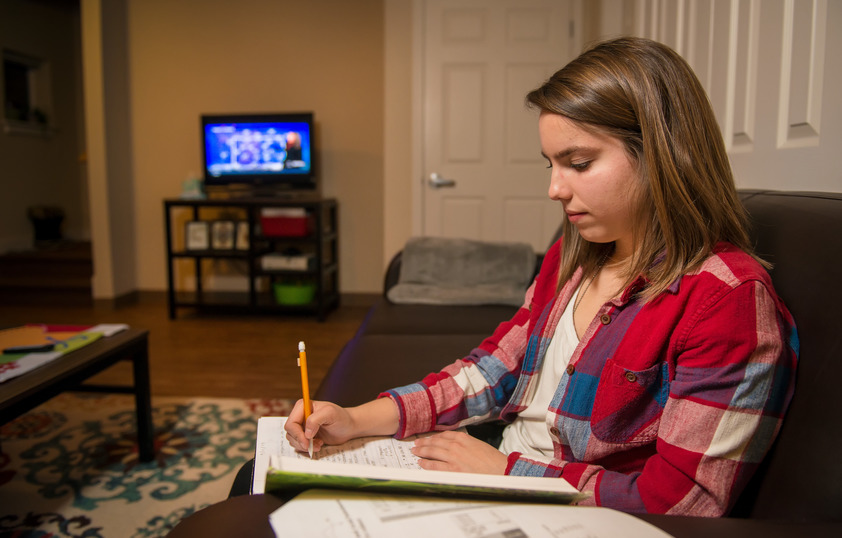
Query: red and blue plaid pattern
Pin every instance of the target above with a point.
(667, 406)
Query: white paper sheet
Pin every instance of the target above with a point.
(108, 329)
(339, 513)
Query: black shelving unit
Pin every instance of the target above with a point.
(321, 241)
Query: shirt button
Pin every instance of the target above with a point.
(605, 319)
(570, 369)
(631, 377)
(554, 431)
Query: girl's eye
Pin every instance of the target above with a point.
(580, 167)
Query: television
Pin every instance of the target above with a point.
(261, 153)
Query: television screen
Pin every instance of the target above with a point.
(259, 149)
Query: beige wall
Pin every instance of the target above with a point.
(192, 57)
(109, 177)
(397, 163)
(43, 170)
(119, 146)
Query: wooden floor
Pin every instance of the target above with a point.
(214, 356)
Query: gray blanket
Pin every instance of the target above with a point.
(442, 271)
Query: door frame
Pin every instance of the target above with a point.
(418, 99)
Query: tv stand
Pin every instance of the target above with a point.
(283, 195)
(319, 242)
(260, 192)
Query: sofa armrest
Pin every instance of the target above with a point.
(393, 273)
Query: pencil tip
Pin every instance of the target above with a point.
(301, 346)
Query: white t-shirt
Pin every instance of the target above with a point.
(529, 434)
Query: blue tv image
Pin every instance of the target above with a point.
(262, 148)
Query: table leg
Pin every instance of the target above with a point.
(143, 402)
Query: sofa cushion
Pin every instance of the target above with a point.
(371, 364)
(386, 317)
(801, 234)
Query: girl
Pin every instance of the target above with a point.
(651, 362)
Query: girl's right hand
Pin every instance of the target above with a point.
(328, 423)
(333, 425)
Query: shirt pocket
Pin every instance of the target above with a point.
(628, 403)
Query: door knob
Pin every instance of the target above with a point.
(437, 181)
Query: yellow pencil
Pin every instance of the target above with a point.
(305, 387)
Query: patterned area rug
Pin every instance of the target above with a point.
(70, 467)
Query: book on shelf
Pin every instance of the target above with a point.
(384, 464)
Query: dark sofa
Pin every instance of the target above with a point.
(799, 487)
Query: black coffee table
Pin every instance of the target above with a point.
(20, 394)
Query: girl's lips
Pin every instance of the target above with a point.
(573, 217)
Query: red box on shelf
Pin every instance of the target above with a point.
(284, 222)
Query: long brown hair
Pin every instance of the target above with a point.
(643, 93)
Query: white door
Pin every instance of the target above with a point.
(484, 175)
(774, 75)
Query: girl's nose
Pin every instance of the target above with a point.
(558, 188)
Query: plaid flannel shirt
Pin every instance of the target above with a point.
(666, 407)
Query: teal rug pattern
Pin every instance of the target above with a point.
(70, 467)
